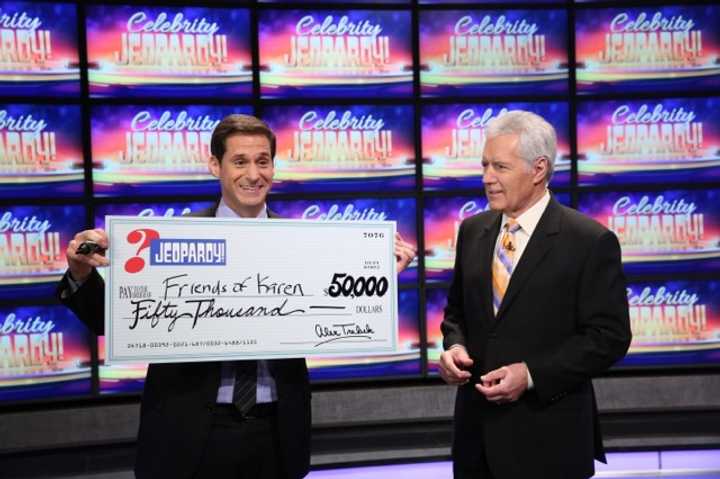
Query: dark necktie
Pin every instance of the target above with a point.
(245, 390)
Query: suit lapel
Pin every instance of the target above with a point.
(541, 242)
(486, 245)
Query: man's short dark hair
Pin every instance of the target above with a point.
(237, 124)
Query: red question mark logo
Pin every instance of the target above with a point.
(144, 237)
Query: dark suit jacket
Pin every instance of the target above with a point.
(565, 314)
(178, 400)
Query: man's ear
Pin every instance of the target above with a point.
(214, 166)
(540, 169)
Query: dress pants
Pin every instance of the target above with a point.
(471, 463)
(242, 447)
(468, 450)
(470, 460)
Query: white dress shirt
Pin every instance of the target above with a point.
(528, 221)
(266, 389)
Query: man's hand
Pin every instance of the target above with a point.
(505, 384)
(453, 363)
(404, 253)
(81, 265)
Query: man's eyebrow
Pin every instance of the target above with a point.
(242, 154)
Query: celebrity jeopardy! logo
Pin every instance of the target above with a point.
(173, 252)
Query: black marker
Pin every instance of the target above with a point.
(89, 247)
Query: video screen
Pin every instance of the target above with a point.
(674, 323)
(168, 52)
(44, 354)
(443, 215)
(119, 378)
(39, 49)
(148, 209)
(648, 141)
(404, 362)
(335, 53)
(435, 302)
(335, 2)
(154, 150)
(41, 151)
(400, 210)
(506, 2)
(493, 52)
(663, 48)
(453, 138)
(343, 148)
(32, 248)
(661, 232)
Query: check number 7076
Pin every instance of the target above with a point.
(373, 234)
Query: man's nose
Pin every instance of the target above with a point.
(488, 176)
(253, 172)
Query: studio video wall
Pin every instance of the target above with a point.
(107, 108)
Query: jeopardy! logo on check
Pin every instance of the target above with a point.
(173, 251)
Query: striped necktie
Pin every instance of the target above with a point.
(245, 387)
(502, 266)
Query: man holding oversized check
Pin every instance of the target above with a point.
(198, 294)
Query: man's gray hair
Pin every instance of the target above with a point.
(537, 136)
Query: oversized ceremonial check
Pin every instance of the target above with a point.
(208, 289)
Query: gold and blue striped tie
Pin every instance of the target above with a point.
(502, 266)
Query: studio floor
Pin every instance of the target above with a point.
(697, 464)
(703, 464)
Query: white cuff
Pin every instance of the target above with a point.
(529, 378)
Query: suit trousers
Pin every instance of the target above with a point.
(468, 452)
(241, 447)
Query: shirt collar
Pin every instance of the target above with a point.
(529, 220)
(224, 211)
